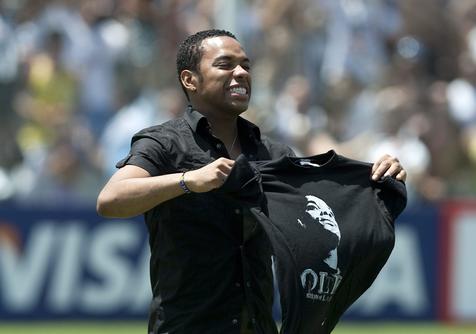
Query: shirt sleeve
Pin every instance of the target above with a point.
(147, 152)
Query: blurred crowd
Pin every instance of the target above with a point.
(362, 77)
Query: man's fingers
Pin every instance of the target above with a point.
(380, 168)
(388, 166)
(219, 171)
(378, 163)
(402, 175)
(224, 165)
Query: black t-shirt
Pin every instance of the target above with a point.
(207, 260)
(331, 229)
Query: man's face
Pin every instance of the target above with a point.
(322, 213)
(224, 86)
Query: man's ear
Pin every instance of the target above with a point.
(189, 80)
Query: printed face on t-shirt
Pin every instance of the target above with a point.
(322, 213)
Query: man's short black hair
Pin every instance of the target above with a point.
(190, 53)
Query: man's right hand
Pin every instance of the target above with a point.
(209, 177)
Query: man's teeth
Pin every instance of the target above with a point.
(238, 90)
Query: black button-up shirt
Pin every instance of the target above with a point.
(208, 261)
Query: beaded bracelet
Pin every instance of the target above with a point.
(183, 185)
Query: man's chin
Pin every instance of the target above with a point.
(239, 107)
(332, 230)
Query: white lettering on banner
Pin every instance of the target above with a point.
(69, 262)
(22, 275)
(108, 265)
(140, 294)
(69, 267)
(401, 281)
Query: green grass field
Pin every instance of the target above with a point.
(140, 328)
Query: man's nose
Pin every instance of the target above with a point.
(240, 72)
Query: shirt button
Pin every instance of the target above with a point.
(219, 146)
(248, 284)
(238, 284)
(237, 211)
(253, 321)
(234, 321)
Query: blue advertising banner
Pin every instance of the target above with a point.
(72, 264)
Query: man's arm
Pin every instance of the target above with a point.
(132, 190)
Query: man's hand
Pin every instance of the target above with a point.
(209, 177)
(388, 166)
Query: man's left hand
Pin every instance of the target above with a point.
(388, 166)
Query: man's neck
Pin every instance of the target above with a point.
(224, 129)
(223, 125)
(227, 131)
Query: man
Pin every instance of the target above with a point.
(210, 264)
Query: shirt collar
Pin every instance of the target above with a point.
(198, 123)
(196, 120)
